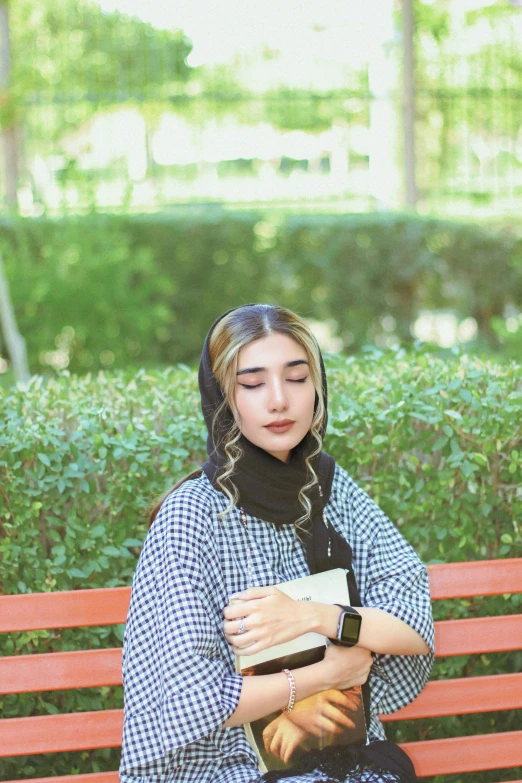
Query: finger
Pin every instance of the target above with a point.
(339, 718)
(344, 700)
(337, 697)
(252, 593)
(235, 627)
(353, 701)
(268, 733)
(235, 611)
(327, 725)
(240, 644)
(243, 647)
(275, 743)
(286, 749)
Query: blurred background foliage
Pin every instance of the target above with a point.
(104, 291)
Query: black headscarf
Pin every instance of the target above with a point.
(268, 488)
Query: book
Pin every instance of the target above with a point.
(332, 717)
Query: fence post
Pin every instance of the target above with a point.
(408, 103)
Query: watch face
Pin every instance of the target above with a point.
(350, 630)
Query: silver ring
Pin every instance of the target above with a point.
(242, 628)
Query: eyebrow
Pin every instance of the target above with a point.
(295, 363)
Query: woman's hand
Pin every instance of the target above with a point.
(325, 715)
(269, 617)
(344, 667)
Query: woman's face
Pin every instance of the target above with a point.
(274, 387)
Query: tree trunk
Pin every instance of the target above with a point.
(13, 339)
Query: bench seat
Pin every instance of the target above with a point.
(95, 668)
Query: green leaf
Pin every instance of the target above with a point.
(377, 440)
(111, 551)
(119, 631)
(77, 572)
(132, 542)
(467, 468)
(454, 384)
(506, 538)
(439, 444)
(45, 459)
(453, 414)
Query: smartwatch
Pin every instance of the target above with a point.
(349, 626)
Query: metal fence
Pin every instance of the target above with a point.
(104, 110)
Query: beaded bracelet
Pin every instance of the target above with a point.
(291, 699)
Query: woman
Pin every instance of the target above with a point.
(267, 507)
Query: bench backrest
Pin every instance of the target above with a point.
(95, 668)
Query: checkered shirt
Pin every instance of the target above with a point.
(179, 675)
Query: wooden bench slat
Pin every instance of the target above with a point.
(476, 578)
(60, 733)
(60, 671)
(465, 754)
(463, 697)
(109, 605)
(89, 777)
(478, 635)
(68, 609)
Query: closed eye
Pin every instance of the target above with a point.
(257, 385)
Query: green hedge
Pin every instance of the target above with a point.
(107, 291)
(436, 443)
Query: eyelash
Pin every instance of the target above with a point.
(290, 380)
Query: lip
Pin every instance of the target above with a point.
(280, 426)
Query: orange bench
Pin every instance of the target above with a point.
(94, 668)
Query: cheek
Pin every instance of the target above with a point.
(309, 404)
(245, 410)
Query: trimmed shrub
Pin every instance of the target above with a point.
(436, 443)
(113, 291)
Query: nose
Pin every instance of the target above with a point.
(277, 400)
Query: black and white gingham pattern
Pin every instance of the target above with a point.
(178, 669)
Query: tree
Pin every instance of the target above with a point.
(81, 58)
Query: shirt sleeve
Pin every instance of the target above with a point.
(394, 579)
(178, 672)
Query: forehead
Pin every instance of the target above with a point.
(272, 351)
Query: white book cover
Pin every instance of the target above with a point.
(329, 718)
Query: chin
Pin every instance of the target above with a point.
(280, 444)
